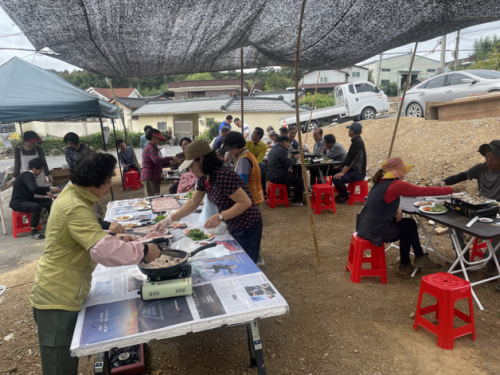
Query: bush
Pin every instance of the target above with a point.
(321, 101)
(211, 132)
(390, 89)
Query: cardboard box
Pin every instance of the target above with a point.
(60, 176)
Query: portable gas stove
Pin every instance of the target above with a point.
(158, 287)
(127, 361)
(471, 210)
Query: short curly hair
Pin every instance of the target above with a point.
(93, 168)
(119, 141)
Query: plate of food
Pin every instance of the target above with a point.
(437, 209)
(325, 160)
(188, 196)
(142, 203)
(423, 203)
(179, 225)
(485, 220)
(130, 226)
(124, 217)
(142, 208)
(307, 161)
(198, 235)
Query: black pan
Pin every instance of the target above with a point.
(173, 270)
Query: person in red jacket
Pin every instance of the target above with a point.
(381, 219)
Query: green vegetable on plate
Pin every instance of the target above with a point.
(159, 218)
(197, 235)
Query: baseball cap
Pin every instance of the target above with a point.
(156, 133)
(195, 150)
(493, 146)
(356, 127)
(31, 137)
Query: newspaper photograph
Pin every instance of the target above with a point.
(111, 287)
(213, 269)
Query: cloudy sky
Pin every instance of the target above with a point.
(12, 37)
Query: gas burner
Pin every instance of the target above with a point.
(129, 360)
(183, 273)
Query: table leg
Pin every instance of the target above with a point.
(255, 347)
(321, 175)
(2, 215)
(429, 239)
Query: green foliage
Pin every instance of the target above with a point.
(370, 76)
(275, 81)
(199, 77)
(492, 60)
(321, 101)
(211, 132)
(390, 89)
(482, 47)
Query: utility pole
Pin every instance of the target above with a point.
(456, 49)
(379, 69)
(443, 52)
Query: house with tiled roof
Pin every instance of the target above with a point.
(189, 117)
(210, 88)
(329, 79)
(106, 94)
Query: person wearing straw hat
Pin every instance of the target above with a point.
(227, 191)
(381, 219)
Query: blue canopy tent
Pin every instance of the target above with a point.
(30, 93)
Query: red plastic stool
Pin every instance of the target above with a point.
(363, 191)
(281, 198)
(18, 225)
(322, 198)
(475, 247)
(132, 180)
(447, 289)
(356, 260)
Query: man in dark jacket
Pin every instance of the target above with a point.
(23, 195)
(354, 167)
(278, 163)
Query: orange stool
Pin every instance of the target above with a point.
(18, 225)
(475, 247)
(447, 289)
(363, 191)
(356, 260)
(281, 198)
(132, 180)
(322, 198)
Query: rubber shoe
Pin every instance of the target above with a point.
(343, 199)
(425, 262)
(405, 270)
(299, 204)
(38, 236)
(260, 262)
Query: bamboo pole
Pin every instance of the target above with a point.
(118, 155)
(242, 87)
(127, 136)
(304, 174)
(312, 107)
(105, 150)
(408, 79)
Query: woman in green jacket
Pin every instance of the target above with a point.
(74, 244)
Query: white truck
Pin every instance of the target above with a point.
(355, 101)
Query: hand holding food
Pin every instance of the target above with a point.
(153, 253)
(54, 189)
(161, 225)
(213, 221)
(114, 227)
(459, 188)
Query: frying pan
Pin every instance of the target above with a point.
(173, 270)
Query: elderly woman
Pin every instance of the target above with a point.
(75, 243)
(273, 136)
(28, 151)
(75, 149)
(292, 133)
(126, 154)
(173, 189)
(381, 219)
(228, 192)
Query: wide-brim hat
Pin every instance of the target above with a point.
(195, 150)
(158, 135)
(395, 168)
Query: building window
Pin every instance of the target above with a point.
(135, 117)
(162, 126)
(323, 79)
(386, 69)
(384, 82)
(355, 74)
(431, 70)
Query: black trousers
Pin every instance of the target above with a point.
(34, 205)
(296, 182)
(250, 239)
(173, 188)
(407, 237)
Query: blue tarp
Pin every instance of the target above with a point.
(30, 93)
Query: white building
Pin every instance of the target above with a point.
(329, 79)
(107, 95)
(395, 69)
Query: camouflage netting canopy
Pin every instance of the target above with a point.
(128, 38)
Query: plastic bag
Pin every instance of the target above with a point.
(209, 209)
(184, 244)
(221, 229)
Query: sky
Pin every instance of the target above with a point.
(12, 37)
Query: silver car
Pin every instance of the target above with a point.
(447, 87)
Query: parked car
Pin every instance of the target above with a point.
(7, 127)
(448, 87)
(361, 100)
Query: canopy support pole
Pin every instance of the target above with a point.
(127, 136)
(312, 107)
(408, 79)
(105, 150)
(118, 155)
(304, 173)
(242, 93)
(22, 134)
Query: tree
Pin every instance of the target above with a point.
(199, 77)
(321, 101)
(492, 60)
(276, 81)
(390, 88)
(482, 47)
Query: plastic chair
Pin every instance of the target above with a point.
(322, 198)
(475, 250)
(132, 180)
(447, 289)
(357, 197)
(18, 226)
(281, 198)
(356, 260)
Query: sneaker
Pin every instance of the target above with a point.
(37, 236)
(425, 262)
(405, 270)
(300, 204)
(260, 262)
(343, 199)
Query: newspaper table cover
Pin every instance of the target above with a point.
(228, 288)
